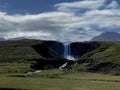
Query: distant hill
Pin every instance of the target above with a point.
(18, 38)
(2, 39)
(107, 36)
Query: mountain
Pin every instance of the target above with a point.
(18, 38)
(107, 36)
(2, 39)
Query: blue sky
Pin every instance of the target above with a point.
(29, 6)
(32, 6)
(62, 20)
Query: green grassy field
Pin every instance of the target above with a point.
(59, 80)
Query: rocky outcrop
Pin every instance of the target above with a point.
(51, 56)
(56, 47)
(80, 48)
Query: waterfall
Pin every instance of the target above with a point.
(67, 51)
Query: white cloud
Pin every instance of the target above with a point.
(113, 12)
(61, 24)
(103, 18)
(41, 26)
(80, 5)
(113, 5)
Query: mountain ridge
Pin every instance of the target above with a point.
(107, 36)
(2, 39)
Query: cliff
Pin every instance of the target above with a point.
(80, 48)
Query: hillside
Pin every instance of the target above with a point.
(29, 51)
(105, 58)
(26, 54)
(107, 36)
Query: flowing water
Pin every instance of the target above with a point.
(63, 66)
(67, 51)
(67, 54)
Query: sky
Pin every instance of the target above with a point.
(61, 20)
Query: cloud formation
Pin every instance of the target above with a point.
(80, 5)
(76, 21)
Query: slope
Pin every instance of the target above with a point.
(105, 58)
(25, 51)
(107, 36)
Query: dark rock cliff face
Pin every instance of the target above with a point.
(42, 64)
(80, 48)
(56, 46)
(51, 51)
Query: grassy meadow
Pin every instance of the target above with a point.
(59, 80)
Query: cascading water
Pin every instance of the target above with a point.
(63, 66)
(67, 51)
(67, 54)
